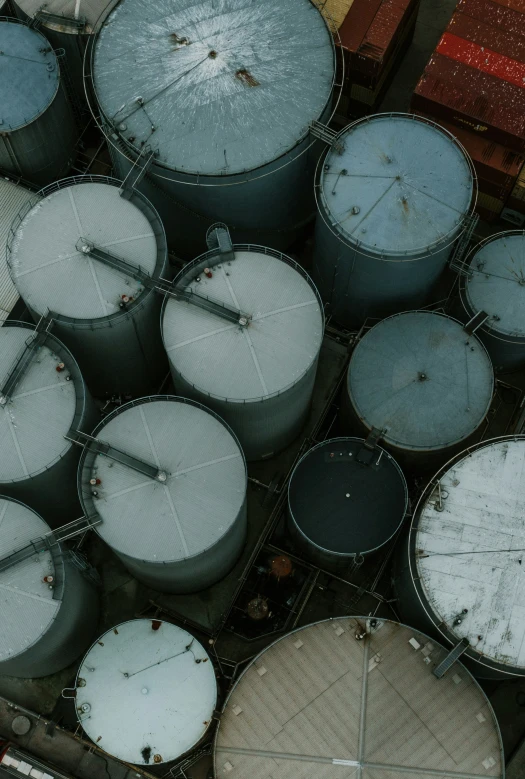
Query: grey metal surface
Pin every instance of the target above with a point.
(259, 378)
(390, 207)
(196, 516)
(12, 198)
(44, 628)
(89, 15)
(421, 379)
(119, 348)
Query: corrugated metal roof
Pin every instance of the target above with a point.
(12, 198)
(92, 12)
(227, 88)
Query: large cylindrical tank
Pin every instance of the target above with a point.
(259, 375)
(420, 382)
(345, 500)
(49, 609)
(146, 692)
(494, 282)
(460, 572)
(108, 318)
(392, 194)
(196, 512)
(223, 95)
(353, 697)
(37, 128)
(37, 463)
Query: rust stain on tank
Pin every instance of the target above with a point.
(178, 41)
(246, 77)
(406, 207)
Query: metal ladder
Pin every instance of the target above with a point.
(324, 133)
(446, 664)
(101, 447)
(24, 359)
(458, 262)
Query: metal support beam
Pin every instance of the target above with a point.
(24, 359)
(477, 320)
(137, 173)
(324, 133)
(101, 447)
(451, 658)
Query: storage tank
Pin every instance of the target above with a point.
(461, 570)
(37, 129)
(392, 195)
(223, 97)
(92, 253)
(420, 383)
(356, 697)
(43, 399)
(186, 473)
(253, 357)
(146, 692)
(346, 499)
(494, 283)
(49, 610)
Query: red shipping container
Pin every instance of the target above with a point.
(490, 40)
(496, 14)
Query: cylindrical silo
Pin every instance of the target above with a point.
(392, 195)
(187, 474)
(91, 253)
(460, 572)
(43, 400)
(49, 609)
(420, 383)
(146, 692)
(253, 357)
(37, 128)
(346, 499)
(356, 697)
(223, 96)
(494, 283)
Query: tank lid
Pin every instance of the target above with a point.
(400, 186)
(146, 692)
(227, 88)
(41, 409)
(197, 503)
(497, 285)
(88, 15)
(346, 498)
(422, 379)
(49, 268)
(28, 604)
(470, 574)
(29, 75)
(275, 350)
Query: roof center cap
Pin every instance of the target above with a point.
(422, 377)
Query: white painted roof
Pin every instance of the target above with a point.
(12, 198)
(148, 692)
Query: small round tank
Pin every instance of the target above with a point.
(257, 372)
(422, 382)
(345, 499)
(146, 692)
(50, 401)
(459, 576)
(494, 282)
(49, 610)
(195, 503)
(37, 128)
(392, 194)
(224, 96)
(106, 316)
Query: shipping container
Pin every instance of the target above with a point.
(501, 14)
(514, 211)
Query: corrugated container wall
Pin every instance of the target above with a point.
(48, 609)
(38, 131)
(392, 194)
(12, 199)
(104, 312)
(223, 97)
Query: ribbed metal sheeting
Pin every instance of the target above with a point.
(45, 625)
(345, 500)
(118, 346)
(37, 464)
(392, 195)
(230, 92)
(12, 198)
(460, 573)
(196, 518)
(38, 129)
(259, 378)
(494, 282)
(421, 381)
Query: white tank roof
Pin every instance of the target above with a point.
(200, 500)
(52, 274)
(148, 694)
(27, 604)
(12, 198)
(467, 559)
(319, 704)
(92, 12)
(277, 348)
